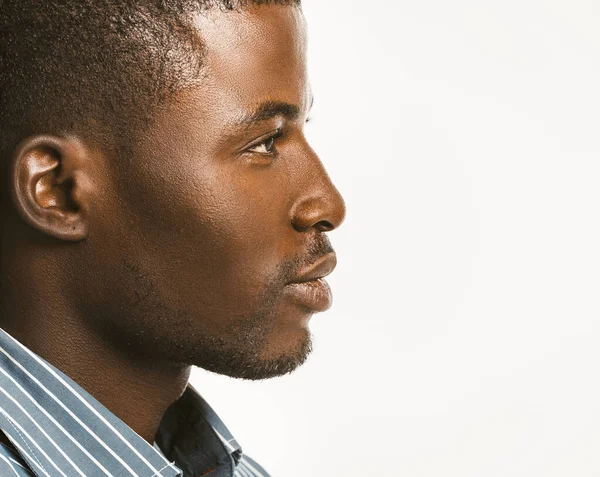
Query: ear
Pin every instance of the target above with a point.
(46, 186)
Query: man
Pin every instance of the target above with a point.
(162, 209)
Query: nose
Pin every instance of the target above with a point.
(321, 206)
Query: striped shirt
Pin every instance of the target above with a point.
(60, 430)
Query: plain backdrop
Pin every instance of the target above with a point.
(464, 338)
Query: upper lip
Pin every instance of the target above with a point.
(319, 269)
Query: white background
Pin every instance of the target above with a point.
(465, 335)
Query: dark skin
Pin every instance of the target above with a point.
(125, 275)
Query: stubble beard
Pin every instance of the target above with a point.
(154, 331)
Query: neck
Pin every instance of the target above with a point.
(137, 391)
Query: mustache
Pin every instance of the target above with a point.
(318, 247)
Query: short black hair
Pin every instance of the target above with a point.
(76, 66)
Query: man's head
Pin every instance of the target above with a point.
(159, 180)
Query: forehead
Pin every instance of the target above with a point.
(254, 55)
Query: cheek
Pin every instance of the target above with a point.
(214, 238)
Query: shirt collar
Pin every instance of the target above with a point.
(61, 430)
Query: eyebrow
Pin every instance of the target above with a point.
(272, 109)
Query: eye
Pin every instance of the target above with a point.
(265, 147)
(266, 144)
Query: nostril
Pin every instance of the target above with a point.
(317, 212)
(324, 226)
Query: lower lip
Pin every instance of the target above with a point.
(314, 295)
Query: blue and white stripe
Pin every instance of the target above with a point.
(59, 430)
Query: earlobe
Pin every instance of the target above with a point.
(44, 182)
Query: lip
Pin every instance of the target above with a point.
(310, 289)
(320, 269)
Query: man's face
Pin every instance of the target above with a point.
(223, 205)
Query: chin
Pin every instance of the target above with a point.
(275, 358)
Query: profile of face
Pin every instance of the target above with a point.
(195, 245)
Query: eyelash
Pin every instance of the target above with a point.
(272, 137)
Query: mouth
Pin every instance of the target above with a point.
(310, 289)
(314, 295)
